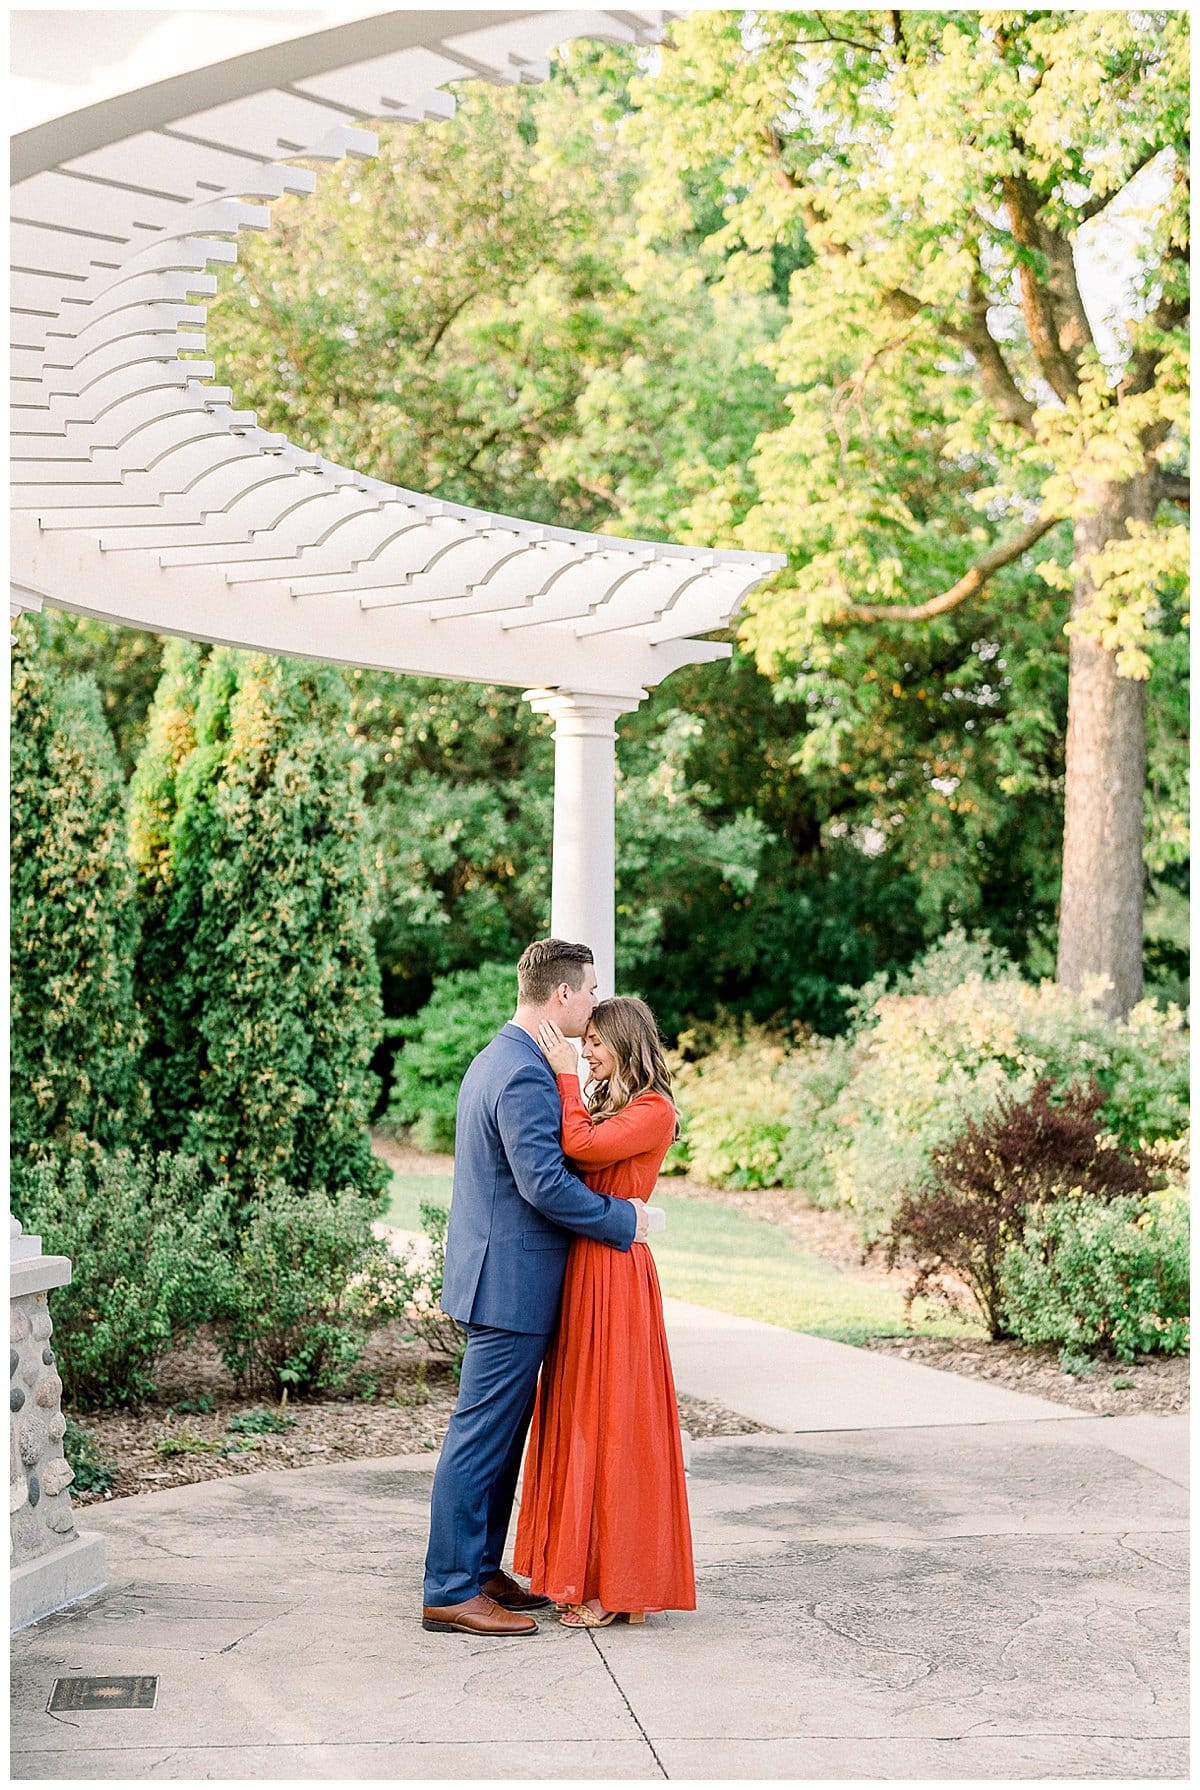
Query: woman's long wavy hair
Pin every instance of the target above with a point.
(627, 1026)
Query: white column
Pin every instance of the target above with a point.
(583, 901)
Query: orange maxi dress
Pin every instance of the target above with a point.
(603, 1503)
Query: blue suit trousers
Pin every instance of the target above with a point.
(476, 1478)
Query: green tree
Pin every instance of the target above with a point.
(126, 664)
(252, 857)
(174, 1046)
(75, 1038)
(962, 387)
(456, 316)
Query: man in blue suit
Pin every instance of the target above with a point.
(514, 1208)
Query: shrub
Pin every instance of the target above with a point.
(868, 1113)
(144, 1235)
(1098, 1277)
(75, 1031)
(93, 1471)
(250, 846)
(964, 1214)
(465, 1011)
(418, 1289)
(303, 1290)
(733, 1106)
(955, 958)
(259, 1423)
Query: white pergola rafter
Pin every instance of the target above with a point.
(142, 495)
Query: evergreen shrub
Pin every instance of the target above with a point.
(144, 1234)
(75, 1035)
(465, 1011)
(959, 1220)
(1102, 1277)
(307, 1282)
(249, 836)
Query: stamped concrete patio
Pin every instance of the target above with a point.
(916, 1576)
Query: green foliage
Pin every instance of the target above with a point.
(186, 1443)
(174, 1055)
(260, 1423)
(733, 1104)
(125, 663)
(457, 316)
(1103, 1278)
(247, 830)
(93, 1471)
(144, 1235)
(956, 1223)
(299, 1303)
(868, 1113)
(75, 1034)
(465, 1012)
(952, 366)
(419, 1288)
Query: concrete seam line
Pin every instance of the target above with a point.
(629, 1706)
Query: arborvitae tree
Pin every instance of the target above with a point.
(75, 1034)
(254, 863)
(172, 1052)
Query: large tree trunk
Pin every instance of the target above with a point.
(1100, 918)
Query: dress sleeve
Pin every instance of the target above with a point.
(638, 1127)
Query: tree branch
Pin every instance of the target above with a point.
(997, 378)
(805, 43)
(1056, 349)
(1174, 487)
(1092, 207)
(968, 585)
(1170, 313)
(452, 314)
(975, 336)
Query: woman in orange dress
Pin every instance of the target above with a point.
(604, 1526)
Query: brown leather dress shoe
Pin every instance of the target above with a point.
(510, 1594)
(480, 1615)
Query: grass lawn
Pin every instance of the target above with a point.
(716, 1256)
(406, 1194)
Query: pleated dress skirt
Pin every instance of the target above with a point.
(604, 1501)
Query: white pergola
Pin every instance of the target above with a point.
(142, 494)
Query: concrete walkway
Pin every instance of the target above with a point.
(798, 1383)
(971, 1596)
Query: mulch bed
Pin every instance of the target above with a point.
(405, 1397)
(1154, 1384)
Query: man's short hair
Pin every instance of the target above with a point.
(545, 964)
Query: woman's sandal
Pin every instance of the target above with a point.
(585, 1618)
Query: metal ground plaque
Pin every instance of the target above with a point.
(102, 1693)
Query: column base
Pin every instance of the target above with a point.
(56, 1580)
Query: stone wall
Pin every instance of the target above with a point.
(39, 1504)
(52, 1566)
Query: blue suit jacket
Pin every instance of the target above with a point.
(515, 1203)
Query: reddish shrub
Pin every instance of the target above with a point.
(959, 1220)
